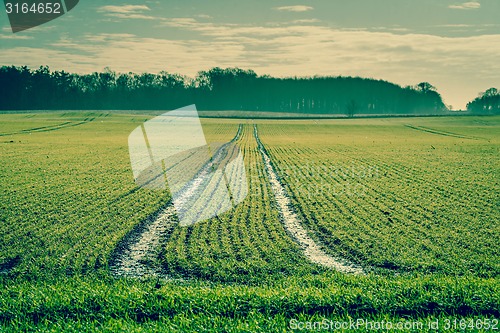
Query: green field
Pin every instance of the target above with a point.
(414, 201)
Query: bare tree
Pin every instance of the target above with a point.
(352, 107)
(425, 87)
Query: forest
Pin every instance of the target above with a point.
(216, 89)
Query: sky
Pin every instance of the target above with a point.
(454, 45)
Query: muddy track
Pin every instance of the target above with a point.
(291, 221)
(137, 254)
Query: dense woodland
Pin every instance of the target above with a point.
(216, 89)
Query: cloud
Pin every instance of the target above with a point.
(466, 5)
(127, 12)
(306, 21)
(294, 8)
(182, 22)
(107, 37)
(126, 52)
(454, 26)
(17, 37)
(393, 29)
(125, 9)
(285, 50)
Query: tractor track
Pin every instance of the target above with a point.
(312, 250)
(137, 254)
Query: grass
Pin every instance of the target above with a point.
(99, 301)
(67, 198)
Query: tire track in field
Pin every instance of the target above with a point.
(312, 250)
(137, 254)
(444, 133)
(51, 127)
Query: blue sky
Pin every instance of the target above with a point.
(454, 45)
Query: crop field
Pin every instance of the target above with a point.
(413, 202)
(397, 197)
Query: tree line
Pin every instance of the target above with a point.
(487, 102)
(215, 89)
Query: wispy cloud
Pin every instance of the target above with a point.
(125, 9)
(127, 12)
(18, 37)
(391, 29)
(466, 5)
(306, 21)
(454, 25)
(294, 8)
